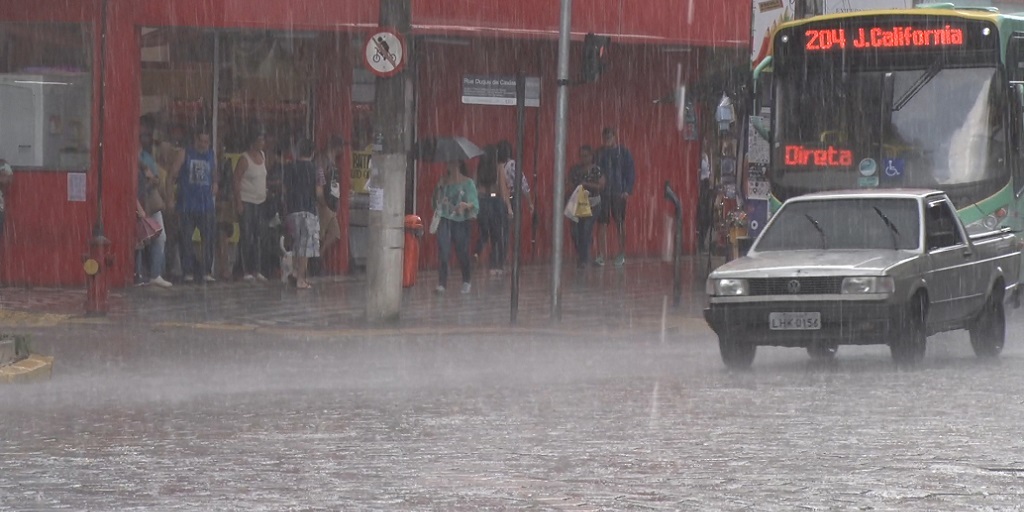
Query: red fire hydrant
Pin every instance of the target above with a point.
(95, 265)
(411, 253)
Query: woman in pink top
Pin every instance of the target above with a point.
(250, 199)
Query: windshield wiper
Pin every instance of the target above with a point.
(895, 233)
(921, 81)
(824, 242)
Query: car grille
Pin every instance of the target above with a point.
(806, 286)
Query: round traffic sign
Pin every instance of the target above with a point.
(384, 53)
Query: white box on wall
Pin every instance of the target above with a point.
(45, 120)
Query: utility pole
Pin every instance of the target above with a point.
(392, 124)
(561, 120)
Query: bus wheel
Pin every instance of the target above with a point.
(988, 333)
(736, 355)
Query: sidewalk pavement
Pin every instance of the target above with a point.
(595, 299)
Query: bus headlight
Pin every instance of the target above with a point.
(869, 284)
(727, 287)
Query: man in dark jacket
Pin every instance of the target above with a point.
(617, 163)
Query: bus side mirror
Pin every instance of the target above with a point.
(763, 91)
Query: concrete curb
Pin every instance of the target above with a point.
(11, 318)
(673, 327)
(33, 368)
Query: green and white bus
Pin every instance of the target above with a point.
(930, 97)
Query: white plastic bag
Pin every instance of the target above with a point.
(570, 205)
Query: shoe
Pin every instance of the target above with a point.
(209, 279)
(261, 278)
(620, 260)
(161, 282)
(248, 277)
(439, 289)
(189, 279)
(599, 261)
(141, 283)
(466, 287)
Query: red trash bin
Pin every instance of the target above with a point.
(411, 254)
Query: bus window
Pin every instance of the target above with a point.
(1017, 136)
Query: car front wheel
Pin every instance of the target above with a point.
(910, 347)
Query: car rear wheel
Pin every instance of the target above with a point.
(989, 330)
(910, 347)
(736, 355)
(822, 351)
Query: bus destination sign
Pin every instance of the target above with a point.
(865, 38)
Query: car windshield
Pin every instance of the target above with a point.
(932, 127)
(854, 223)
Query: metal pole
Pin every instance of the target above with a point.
(536, 152)
(561, 117)
(216, 97)
(517, 196)
(97, 231)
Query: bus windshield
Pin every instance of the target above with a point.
(926, 127)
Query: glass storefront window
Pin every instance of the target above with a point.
(45, 95)
(263, 81)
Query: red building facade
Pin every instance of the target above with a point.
(655, 42)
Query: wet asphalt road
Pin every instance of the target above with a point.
(183, 419)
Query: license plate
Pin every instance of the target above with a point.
(794, 321)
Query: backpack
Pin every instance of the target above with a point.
(332, 188)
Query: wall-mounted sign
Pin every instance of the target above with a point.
(384, 53)
(498, 90)
(881, 37)
(821, 157)
(361, 169)
(76, 186)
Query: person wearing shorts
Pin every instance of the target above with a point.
(617, 163)
(303, 192)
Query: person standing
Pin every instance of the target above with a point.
(704, 196)
(495, 209)
(330, 229)
(273, 210)
(508, 166)
(455, 201)
(6, 178)
(303, 191)
(588, 175)
(196, 193)
(620, 174)
(169, 156)
(227, 219)
(149, 179)
(250, 179)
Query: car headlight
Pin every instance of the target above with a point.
(727, 287)
(869, 284)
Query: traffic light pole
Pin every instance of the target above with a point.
(561, 118)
